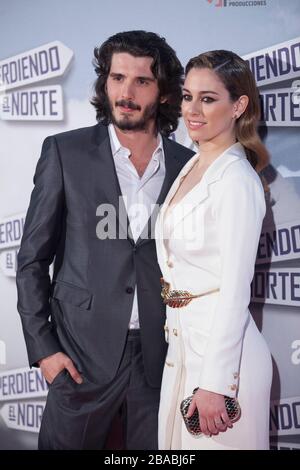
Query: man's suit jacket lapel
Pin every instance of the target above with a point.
(103, 169)
(103, 173)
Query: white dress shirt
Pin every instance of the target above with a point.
(139, 193)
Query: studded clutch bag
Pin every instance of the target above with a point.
(192, 424)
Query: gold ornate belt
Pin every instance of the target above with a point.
(179, 298)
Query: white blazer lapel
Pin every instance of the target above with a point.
(200, 191)
(177, 181)
(196, 196)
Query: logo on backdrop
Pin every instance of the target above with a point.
(43, 103)
(285, 417)
(281, 62)
(277, 286)
(24, 416)
(20, 388)
(240, 3)
(280, 243)
(277, 445)
(22, 383)
(11, 231)
(34, 104)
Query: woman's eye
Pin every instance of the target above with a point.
(207, 99)
(186, 97)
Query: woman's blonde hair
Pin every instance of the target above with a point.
(237, 78)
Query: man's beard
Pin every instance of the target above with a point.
(126, 123)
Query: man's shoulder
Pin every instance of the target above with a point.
(177, 149)
(81, 134)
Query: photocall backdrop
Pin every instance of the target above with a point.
(46, 78)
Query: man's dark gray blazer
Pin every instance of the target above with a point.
(85, 310)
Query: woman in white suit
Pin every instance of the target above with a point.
(207, 237)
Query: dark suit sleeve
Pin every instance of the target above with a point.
(38, 247)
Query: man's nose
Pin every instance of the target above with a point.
(128, 91)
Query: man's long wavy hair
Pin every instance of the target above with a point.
(165, 67)
(238, 80)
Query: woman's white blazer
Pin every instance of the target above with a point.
(209, 241)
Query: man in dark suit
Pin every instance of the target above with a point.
(96, 328)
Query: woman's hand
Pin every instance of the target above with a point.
(213, 416)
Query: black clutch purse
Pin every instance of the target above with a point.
(192, 424)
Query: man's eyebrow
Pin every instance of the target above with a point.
(118, 74)
(149, 79)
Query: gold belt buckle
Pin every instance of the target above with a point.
(175, 298)
(178, 298)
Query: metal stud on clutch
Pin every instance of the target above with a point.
(192, 424)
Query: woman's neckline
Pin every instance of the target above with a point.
(171, 206)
